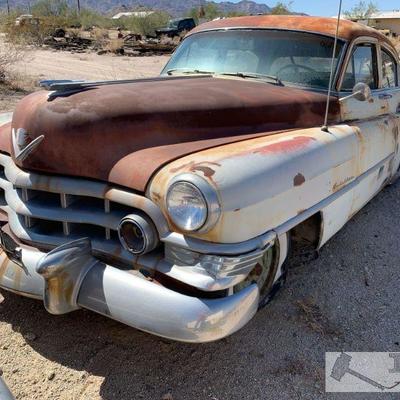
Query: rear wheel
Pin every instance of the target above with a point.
(270, 273)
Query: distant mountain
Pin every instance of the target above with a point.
(173, 7)
(244, 6)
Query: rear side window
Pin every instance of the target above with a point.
(362, 67)
(389, 70)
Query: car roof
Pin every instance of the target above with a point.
(348, 30)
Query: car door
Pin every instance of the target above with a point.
(373, 121)
(390, 90)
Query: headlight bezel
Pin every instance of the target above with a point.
(209, 195)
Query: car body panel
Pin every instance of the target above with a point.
(138, 127)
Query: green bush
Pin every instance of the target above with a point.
(89, 18)
(144, 25)
(51, 8)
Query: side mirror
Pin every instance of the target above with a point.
(361, 92)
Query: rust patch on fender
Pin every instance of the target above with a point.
(299, 179)
(204, 167)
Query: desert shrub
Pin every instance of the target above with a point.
(144, 25)
(114, 45)
(89, 18)
(50, 8)
(50, 15)
(9, 55)
(30, 33)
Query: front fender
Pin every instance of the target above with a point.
(264, 182)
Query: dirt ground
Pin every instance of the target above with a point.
(47, 64)
(345, 300)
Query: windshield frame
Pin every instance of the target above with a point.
(342, 54)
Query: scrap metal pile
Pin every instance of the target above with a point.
(132, 45)
(135, 45)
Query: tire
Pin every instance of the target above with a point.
(270, 274)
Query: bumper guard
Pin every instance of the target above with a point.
(69, 278)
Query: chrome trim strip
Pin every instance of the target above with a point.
(201, 246)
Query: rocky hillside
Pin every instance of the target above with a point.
(174, 7)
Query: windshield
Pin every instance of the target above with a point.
(173, 24)
(297, 58)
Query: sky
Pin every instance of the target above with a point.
(329, 7)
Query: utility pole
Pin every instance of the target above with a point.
(79, 6)
(8, 7)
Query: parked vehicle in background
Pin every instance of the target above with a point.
(176, 27)
(27, 20)
(171, 204)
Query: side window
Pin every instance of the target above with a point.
(362, 67)
(389, 70)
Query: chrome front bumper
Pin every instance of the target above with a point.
(69, 278)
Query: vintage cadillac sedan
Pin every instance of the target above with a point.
(170, 204)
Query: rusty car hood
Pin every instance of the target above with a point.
(124, 133)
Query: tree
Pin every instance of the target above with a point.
(209, 11)
(50, 8)
(362, 10)
(282, 8)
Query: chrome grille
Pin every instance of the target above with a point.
(54, 210)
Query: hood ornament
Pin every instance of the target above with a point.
(22, 144)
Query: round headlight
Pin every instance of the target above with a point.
(187, 206)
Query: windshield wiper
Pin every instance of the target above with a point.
(254, 75)
(243, 75)
(189, 71)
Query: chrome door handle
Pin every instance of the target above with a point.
(385, 96)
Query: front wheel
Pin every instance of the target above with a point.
(270, 273)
